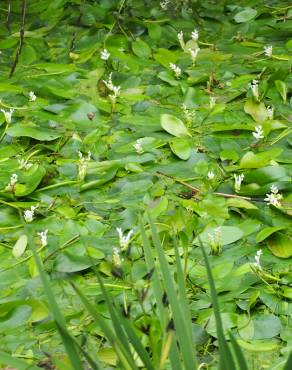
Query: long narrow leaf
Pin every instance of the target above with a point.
(185, 342)
(288, 365)
(240, 359)
(115, 341)
(7, 359)
(158, 293)
(226, 358)
(59, 319)
(137, 344)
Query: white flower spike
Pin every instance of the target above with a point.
(212, 102)
(181, 41)
(175, 69)
(104, 54)
(274, 197)
(138, 147)
(115, 89)
(7, 115)
(24, 164)
(258, 133)
(13, 181)
(194, 54)
(254, 86)
(211, 175)
(195, 35)
(43, 237)
(29, 214)
(164, 4)
(270, 112)
(238, 180)
(32, 96)
(257, 259)
(116, 258)
(124, 240)
(268, 50)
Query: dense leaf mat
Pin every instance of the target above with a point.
(159, 120)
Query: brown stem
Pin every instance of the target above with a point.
(197, 190)
(21, 38)
(8, 17)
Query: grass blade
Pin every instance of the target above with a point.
(58, 317)
(288, 365)
(182, 332)
(7, 359)
(240, 359)
(122, 352)
(158, 293)
(226, 358)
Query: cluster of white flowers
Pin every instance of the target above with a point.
(29, 214)
(211, 175)
(43, 237)
(116, 90)
(7, 115)
(104, 54)
(116, 258)
(257, 258)
(194, 53)
(124, 240)
(237, 182)
(254, 86)
(175, 69)
(258, 133)
(138, 147)
(195, 35)
(274, 197)
(180, 37)
(164, 4)
(82, 164)
(270, 112)
(268, 50)
(215, 240)
(212, 102)
(188, 114)
(24, 164)
(32, 96)
(11, 185)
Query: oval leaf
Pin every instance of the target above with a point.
(181, 148)
(173, 125)
(280, 245)
(266, 232)
(20, 246)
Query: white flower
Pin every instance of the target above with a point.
(124, 240)
(117, 261)
(32, 96)
(254, 86)
(257, 259)
(270, 112)
(175, 69)
(138, 147)
(195, 35)
(215, 240)
(274, 197)
(238, 180)
(180, 37)
(13, 180)
(29, 214)
(7, 115)
(258, 133)
(189, 115)
(115, 89)
(211, 175)
(164, 4)
(268, 50)
(194, 53)
(43, 237)
(212, 101)
(24, 164)
(104, 54)
(82, 164)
